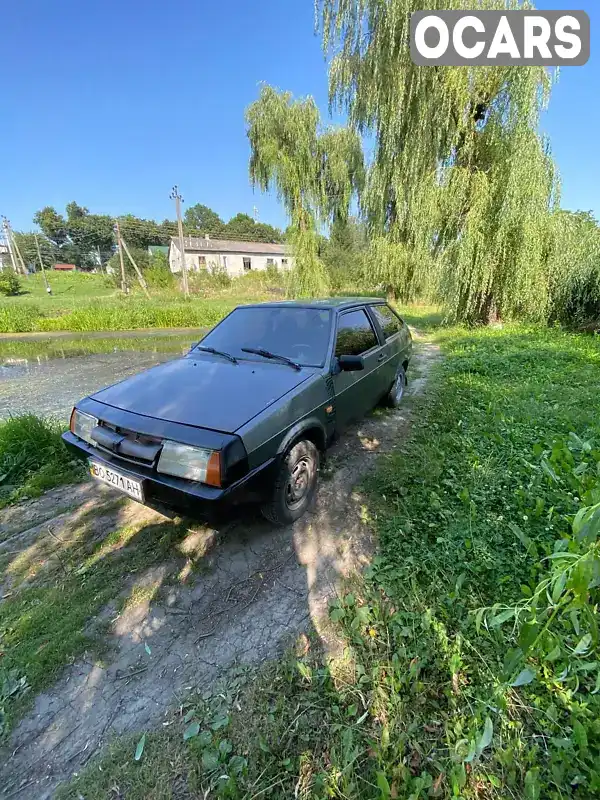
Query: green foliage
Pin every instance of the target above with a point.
(243, 227)
(158, 273)
(315, 172)
(32, 458)
(202, 219)
(27, 247)
(141, 258)
(116, 315)
(10, 284)
(468, 202)
(344, 255)
(574, 268)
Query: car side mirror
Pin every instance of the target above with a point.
(351, 363)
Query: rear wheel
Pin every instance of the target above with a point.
(295, 484)
(396, 393)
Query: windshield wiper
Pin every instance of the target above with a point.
(267, 354)
(216, 352)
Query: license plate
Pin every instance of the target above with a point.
(113, 477)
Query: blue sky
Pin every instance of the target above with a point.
(110, 103)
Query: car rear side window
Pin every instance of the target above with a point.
(355, 334)
(390, 324)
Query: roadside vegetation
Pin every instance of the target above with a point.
(73, 346)
(472, 666)
(33, 458)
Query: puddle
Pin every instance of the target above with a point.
(47, 385)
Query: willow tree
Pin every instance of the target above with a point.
(574, 267)
(458, 193)
(314, 171)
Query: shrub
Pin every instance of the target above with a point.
(272, 273)
(10, 284)
(159, 277)
(33, 457)
(219, 275)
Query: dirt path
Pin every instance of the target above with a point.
(257, 589)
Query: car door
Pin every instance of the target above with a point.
(397, 341)
(356, 392)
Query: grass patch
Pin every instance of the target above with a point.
(118, 314)
(83, 302)
(43, 622)
(472, 662)
(47, 348)
(33, 458)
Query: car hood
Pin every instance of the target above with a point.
(206, 391)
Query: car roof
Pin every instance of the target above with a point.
(334, 303)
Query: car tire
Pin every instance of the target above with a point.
(396, 393)
(295, 484)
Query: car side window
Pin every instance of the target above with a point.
(390, 324)
(355, 334)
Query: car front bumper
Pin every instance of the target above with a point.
(178, 495)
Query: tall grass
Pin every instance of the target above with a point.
(116, 315)
(33, 458)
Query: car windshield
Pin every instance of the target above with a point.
(300, 334)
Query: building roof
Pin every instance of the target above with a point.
(65, 266)
(200, 244)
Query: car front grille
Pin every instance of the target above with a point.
(128, 445)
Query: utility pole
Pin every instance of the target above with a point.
(16, 257)
(8, 244)
(178, 200)
(37, 246)
(99, 258)
(24, 269)
(120, 246)
(141, 279)
(255, 209)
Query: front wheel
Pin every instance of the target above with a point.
(295, 484)
(398, 388)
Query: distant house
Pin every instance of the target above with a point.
(4, 256)
(65, 267)
(236, 258)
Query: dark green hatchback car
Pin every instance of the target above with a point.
(246, 414)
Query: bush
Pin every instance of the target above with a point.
(33, 457)
(272, 273)
(220, 276)
(158, 277)
(10, 284)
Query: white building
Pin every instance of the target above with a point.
(235, 258)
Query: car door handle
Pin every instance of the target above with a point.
(381, 358)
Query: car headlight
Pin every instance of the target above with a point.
(193, 463)
(82, 425)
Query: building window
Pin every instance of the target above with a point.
(284, 262)
(247, 264)
(201, 262)
(224, 258)
(270, 262)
